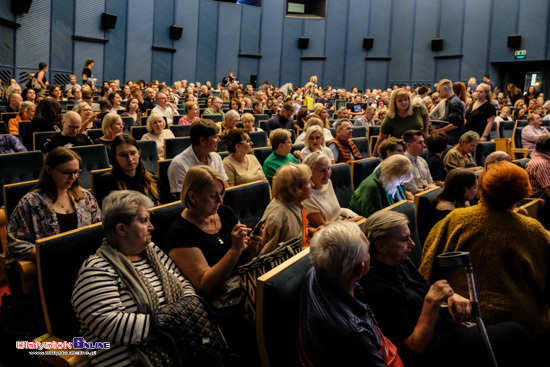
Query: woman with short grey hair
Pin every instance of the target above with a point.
(461, 154)
(132, 277)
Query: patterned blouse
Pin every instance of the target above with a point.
(35, 218)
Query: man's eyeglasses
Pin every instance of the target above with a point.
(69, 174)
(246, 141)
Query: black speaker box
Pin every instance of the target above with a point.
(253, 80)
(437, 44)
(368, 42)
(303, 42)
(108, 21)
(514, 41)
(20, 6)
(175, 32)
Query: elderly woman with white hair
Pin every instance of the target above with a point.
(335, 326)
(383, 187)
(408, 307)
(230, 121)
(315, 141)
(157, 132)
(323, 207)
(132, 278)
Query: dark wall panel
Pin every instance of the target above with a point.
(425, 29)
(139, 40)
(206, 51)
(248, 67)
(335, 48)
(451, 30)
(401, 41)
(290, 62)
(164, 18)
(447, 69)
(34, 36)
(228, 42)
(250, 29)
(115, 49)
(7, 48)
(271, 42)
(358, 26)
(376, 72)
(315, 30)
(504, 23)
(88, 18)
(476, 38)
(162, 63)
(62, 46)
(533, 17)
(185, 60)
(380, 18)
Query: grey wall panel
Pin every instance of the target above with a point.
(401, 41)
(62, 44)
(290, 62)
(162, 66)
(7, 47)
(115, 49)
(5, 10)
(476, 37)
(88, 18)
(250, 29)
(376, 72)
(185, 60)
(315, 30)
(533, 16)
(380, 19)
(335, 48)
(206, 51)
(85, 50)
(139, 40)
(358, 27)
(271, 42)
(163, 19)
(504, 23)
(34, 36)
(451, 30)
(248, 67)
(309, 68)
(447, 69)
(425, 29)
(229, 16)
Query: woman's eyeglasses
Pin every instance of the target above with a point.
(69, 174)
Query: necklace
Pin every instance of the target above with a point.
(212, 234)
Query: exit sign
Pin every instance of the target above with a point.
(520, 54)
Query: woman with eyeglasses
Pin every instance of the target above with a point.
(128, 171)
(56, 204)
(240, 166)
(315, 140)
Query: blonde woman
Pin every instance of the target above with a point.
(111, 126)
(315, 141)
(157, 132)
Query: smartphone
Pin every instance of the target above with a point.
(256, 230)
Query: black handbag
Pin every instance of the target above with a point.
(196, 338)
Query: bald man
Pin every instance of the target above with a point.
(70, 136)
(14, 102)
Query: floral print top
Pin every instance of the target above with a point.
(35, 218)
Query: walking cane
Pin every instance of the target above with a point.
(458, 258)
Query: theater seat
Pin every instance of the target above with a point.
(19, 167)
(138, 131)
(39, 139)
(359, 132)
(362, 168)
(94, 179)
(425, 204)
(174, 146)
(180, 131)
(215, 118)
(277, 311)
(162, 217)
(262, 153)
(342, 183)
(94, 157)
(149, 154)
(94, 134)
(518, 151)
(248, 201)
(164, 184)
(259, 139)
(483, 149)
(522, 162)
(363, 145)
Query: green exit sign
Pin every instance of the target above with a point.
(520, 54)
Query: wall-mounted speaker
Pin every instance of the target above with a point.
(303, 43)
(108, 20)
(20, 6)
(437, 44)
(175, 32)
(368, 42)
(514, 41)
(253, 80)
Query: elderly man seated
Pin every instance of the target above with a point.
(532, 132)
(335, 328)
(70, 136)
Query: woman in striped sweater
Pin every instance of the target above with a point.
(124, 283)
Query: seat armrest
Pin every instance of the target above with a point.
(64, 359)
(524, 151)
(27, 275)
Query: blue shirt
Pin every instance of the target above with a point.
(336, 329)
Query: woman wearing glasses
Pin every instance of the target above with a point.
(56, 204)
(240, 166)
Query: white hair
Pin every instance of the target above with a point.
(336, 249)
